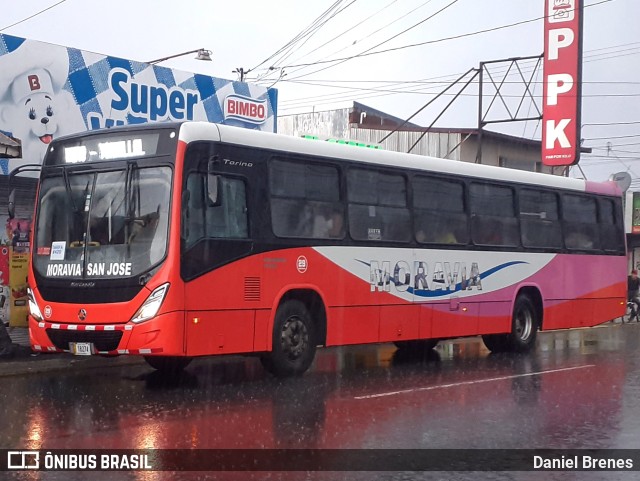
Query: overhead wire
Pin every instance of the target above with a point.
(446, 78)
(359, 41)
(299, 35)
(348, 30)
(429, 42)
(32, 16)
(293, 48)
(337, 62)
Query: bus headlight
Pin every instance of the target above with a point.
(34, 310)
(152, 305)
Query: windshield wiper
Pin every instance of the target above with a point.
(131, 195)
(67, 186)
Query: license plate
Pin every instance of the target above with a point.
(81, 348)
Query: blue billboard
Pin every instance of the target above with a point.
(47, 91)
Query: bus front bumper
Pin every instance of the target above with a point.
(162, 335)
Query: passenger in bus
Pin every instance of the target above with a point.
(633, 290)
(336, 227)
(578, 240)
(444, 236)
(328, 223)
(303, 220)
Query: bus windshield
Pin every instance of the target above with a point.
(102, 224)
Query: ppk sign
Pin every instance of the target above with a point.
(562, 91)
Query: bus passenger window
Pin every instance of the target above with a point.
(304, 200)
(539, 219)
(493, 220)
(440, 216)
(378, 206)
(580, 222)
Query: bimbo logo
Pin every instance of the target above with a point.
(245, 109)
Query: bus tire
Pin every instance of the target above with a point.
(168, 364)
(417, 344)
(496, 342)
(524, 325)
(294, 341)
(524, 329)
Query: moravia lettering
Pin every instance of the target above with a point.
(441, 277)
(93, 269)
(64, 270)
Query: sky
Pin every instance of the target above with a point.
(392, 55)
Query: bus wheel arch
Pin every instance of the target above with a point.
(533, 293)
(526, 320)
(299, 325)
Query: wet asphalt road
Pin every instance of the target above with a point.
(579, 389)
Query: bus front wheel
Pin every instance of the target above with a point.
(294, 341)
(524, 329)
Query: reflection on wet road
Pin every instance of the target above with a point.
(580, 389)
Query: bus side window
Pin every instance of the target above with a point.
(304, 198)
(539, 219)
(493, 220)
(611, 228)
(440, 216)
(580, 222)
(378, 206)
(228, 218)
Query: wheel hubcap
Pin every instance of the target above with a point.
(294, 338)
(523, 324)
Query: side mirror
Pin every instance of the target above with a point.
(12, 204)
(15, 172)
(214, 190)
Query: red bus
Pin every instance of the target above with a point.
(174, 241)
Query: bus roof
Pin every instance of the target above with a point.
(192, 131)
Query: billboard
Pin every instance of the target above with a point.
(47, 91)
(562, 82)
(635, 216)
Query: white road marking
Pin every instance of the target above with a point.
(468, 383)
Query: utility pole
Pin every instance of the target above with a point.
(241, 72)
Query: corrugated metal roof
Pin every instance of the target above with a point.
(10, 147)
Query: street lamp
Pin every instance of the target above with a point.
(203, 54)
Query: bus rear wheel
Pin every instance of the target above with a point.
(524, 329)
(168, 364)
(294, 341)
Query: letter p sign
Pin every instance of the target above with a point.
(562, 88)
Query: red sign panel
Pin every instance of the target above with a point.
(562, 82)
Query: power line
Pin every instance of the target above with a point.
(292, 50)
(354, 27)
(433, 80)
(612, 137)
(428, 42)
(604, 124)
(31, 16)
(300, 34)
(364, 53)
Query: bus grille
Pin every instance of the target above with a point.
(102, 340)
